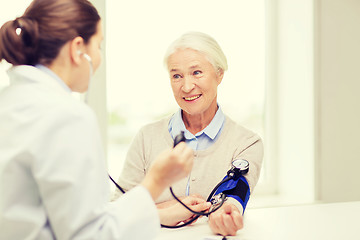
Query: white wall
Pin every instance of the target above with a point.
(314, 72)
(97, 92)
(338, 100)
(291, 108)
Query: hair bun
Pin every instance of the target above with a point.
(29, 31)
(19, 41)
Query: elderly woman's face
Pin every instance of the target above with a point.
(194, 81)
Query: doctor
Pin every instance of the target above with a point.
(53, 177)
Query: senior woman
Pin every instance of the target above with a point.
(196, 66)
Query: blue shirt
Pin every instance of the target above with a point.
(202, 139)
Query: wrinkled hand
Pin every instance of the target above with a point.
(175, 213)
(226, 221)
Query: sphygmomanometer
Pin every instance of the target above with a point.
(233, 185)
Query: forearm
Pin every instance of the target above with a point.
(155, 189)
(166, 204)
(171, 219)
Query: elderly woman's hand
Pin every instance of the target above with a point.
(226, 221)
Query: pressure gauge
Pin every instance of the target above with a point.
(239, 167)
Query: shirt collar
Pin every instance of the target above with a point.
(27, 73)
(215, 125)
(177, 125)
(53, 75)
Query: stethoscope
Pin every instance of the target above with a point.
(239, 167)
(88, 59)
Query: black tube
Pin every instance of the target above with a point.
(117, 185)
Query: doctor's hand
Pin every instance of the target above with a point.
(173, 213)
(170, 166)
(226, 221)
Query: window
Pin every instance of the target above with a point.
(138, 89)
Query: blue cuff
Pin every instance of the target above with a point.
(238, 189)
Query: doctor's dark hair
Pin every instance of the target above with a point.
(46, 26)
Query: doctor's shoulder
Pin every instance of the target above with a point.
(64, 110)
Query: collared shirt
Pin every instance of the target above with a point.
(202, 139)
(54, 76)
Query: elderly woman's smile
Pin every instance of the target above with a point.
(192, 98)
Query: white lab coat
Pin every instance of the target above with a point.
(53, 178)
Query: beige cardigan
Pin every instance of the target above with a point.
(210, 165)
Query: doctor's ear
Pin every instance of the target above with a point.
(76, 46)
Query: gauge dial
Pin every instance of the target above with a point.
(240, 164)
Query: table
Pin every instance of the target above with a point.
(331, 221)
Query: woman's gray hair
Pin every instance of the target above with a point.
(202, 43)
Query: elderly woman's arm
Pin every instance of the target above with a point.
(228, 219)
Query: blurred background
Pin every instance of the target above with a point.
(293, 78)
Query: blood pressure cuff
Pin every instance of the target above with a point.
(238, 189)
